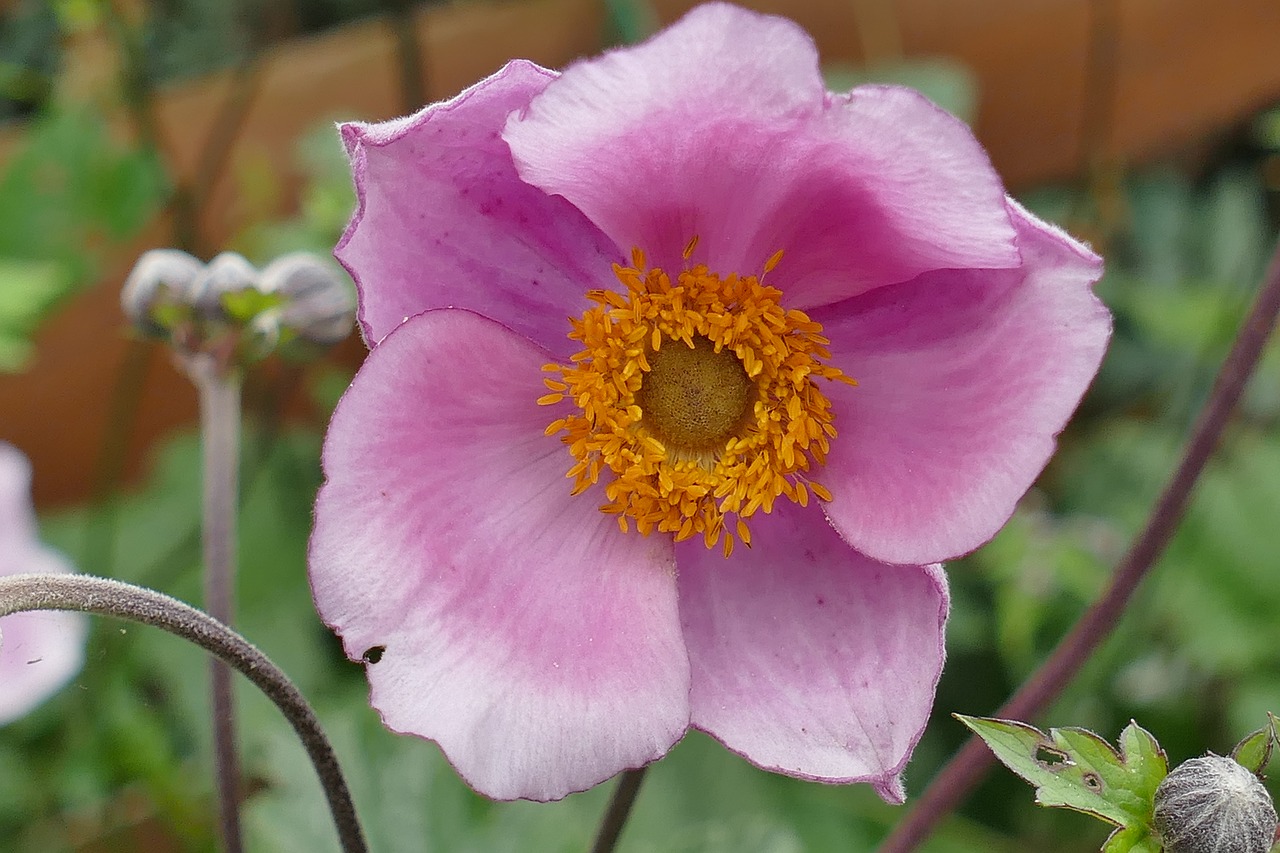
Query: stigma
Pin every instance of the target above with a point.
(698, 396)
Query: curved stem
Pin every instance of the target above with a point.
(949, 788)
(104, 597)
(624, 797)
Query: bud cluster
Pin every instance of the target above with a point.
(233, 311)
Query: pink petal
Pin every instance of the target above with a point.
(965, 379)
(808, 658)
(444, 221)
(538, 645)
(720, 127)
(39, 651)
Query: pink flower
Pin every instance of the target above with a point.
(621, 318)
(39, 652)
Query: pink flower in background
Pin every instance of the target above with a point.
(39, 652)
(684, 376)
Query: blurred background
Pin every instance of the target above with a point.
(1148, 127)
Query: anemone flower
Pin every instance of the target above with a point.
(39, 652)
(684, 376)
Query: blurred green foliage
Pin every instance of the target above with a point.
(68, 196)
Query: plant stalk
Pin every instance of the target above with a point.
(219, 390)
(615, 818)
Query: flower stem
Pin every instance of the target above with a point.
(624, 797)
(219, 390)
(104, 597)
(949, 788)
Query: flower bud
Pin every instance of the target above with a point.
(158, 288)
(317, 304)
(1213, 805)
(226, 274)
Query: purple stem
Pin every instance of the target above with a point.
(615, 818)
(219, 389)
(966, 768)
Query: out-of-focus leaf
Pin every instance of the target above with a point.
(326, 204)
(631, 21)
(28, 290)
(71, 191)
(1074, 768)
(948, 83)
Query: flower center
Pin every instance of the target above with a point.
(698, 394)
(694, 397)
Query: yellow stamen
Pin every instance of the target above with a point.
(698, 395)
(773, 261)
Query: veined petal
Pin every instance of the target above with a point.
(809, 658)
(885, 186)
(965, 378)
(444, 220)
(511, 623)
(720, 127)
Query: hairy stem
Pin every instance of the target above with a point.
(615, 818)
(966, 768)
(105, 597)
(219, 390)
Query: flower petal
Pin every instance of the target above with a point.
(720, 127)
(965, 379)
(808, 658)
(444, 221)
(511, 623)
(39, 651)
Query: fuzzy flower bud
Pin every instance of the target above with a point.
(1213, 805)
(159, 287)
(316, 305)
(228, 273)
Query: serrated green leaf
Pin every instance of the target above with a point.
(1254, 752)
(1073, 768)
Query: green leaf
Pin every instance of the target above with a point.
(948, 83)
(1254, 752)
(1133, 839)
(631, 21)
(28, 290)
(1073, 768)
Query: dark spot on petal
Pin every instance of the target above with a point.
(373, 654)
(821, 601)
